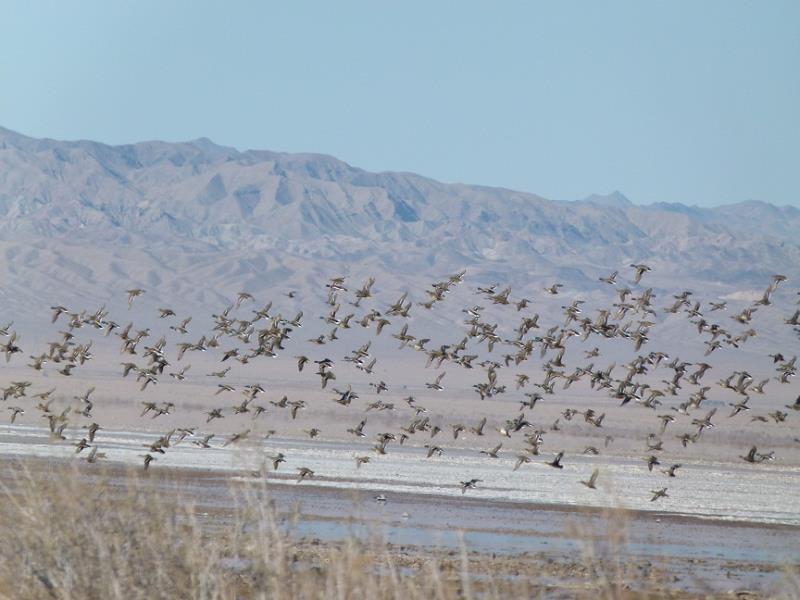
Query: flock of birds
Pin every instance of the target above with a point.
(235, 338)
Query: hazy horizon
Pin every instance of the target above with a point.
(596, 195)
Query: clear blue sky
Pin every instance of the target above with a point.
(695, 102)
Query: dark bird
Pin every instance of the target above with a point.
(662, 493)
(670, 472)
(556, 462)
(303, 472)
(469, 485)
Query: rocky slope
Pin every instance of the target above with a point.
(197, 222)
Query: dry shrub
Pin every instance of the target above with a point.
(114, 534)
(94, 531)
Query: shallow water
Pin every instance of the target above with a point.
(763, 493)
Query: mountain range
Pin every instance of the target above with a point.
(196, 222)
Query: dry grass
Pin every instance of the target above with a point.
(72, 533)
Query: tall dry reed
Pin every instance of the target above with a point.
(71, 532)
